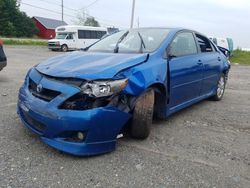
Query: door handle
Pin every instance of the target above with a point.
(219, 59)
(199, 62)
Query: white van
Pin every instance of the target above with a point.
(72, 37)
(222, 42)
(226, 43)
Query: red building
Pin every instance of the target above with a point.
(47, 26)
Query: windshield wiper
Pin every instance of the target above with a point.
(116, 50)
(142, 43)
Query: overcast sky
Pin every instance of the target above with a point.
(221, 18)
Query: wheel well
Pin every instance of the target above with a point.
(160, 100)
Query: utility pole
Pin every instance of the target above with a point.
(132, 15)
(62, 10)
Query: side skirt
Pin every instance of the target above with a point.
(188, 103)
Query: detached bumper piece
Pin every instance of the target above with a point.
(78, 132)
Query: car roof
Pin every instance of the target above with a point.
(173, 29)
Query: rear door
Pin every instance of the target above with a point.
(211, 60)
(185, 69)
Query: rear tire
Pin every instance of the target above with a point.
(220, 89)
(64, 48)
(143, 115)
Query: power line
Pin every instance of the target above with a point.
(53, 11)
(75, 10)
(89, 5)
(46, 9)
(57, 4)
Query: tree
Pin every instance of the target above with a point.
(80, 18)
(13, 22)
(90, 21)
(83, 19)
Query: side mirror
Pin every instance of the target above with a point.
(169, 54)
(225, 51)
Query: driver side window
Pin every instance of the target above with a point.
(69, 37)
(183, 44)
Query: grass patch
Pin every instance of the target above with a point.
(23, 41)
(241, 57)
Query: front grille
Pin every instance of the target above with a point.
(53, 44)
(40, 127)
(44, 94)
(70, 81)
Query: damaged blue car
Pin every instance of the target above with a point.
(79, 102)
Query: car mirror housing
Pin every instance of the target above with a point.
(225, 51)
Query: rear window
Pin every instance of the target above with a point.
(204, 44)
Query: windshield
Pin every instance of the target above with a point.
(132, 41)
(61, 35)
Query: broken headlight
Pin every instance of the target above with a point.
(103, 88)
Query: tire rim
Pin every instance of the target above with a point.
(64, 48)
(221, 87)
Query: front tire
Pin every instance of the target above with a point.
(143, 115)
(221, 85)
(64, 48)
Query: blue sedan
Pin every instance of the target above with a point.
(79, 102)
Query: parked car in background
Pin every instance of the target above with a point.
(224, 43)
(3, 59)
(79, 102)
(71, 37)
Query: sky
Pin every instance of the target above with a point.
(219, 18)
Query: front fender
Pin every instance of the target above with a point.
(145, 75)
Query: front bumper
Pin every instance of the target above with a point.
(54, 46)
(100, 125)
(3, 64)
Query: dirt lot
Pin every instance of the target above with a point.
(206, 145)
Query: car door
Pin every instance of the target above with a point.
(70, 41)
(211, 60)
(185, 69)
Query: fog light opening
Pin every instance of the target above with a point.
(75, 136)
(80, 136)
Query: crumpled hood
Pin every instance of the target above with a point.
(89, 65)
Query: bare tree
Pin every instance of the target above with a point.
(83, 18)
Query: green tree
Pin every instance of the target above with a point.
(90, 21)
(82, 18)
(13, 22)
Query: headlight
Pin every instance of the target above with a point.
(103, 88)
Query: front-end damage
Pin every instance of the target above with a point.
(80, 101)
(70, 120)
(82, 114)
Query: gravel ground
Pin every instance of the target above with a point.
(206, 145)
